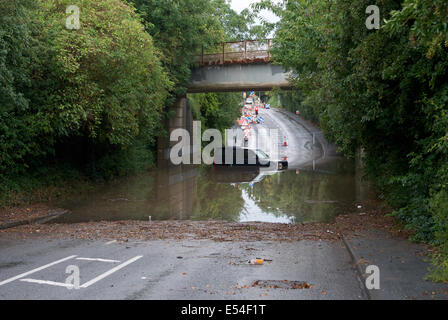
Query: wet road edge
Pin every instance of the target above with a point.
(41, 219)
(360, 273)
(308, 127)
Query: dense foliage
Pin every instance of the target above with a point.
(180, 29)
(384, 91)
(216, 110)
(15, 80)
(86, 100)
(91, 102)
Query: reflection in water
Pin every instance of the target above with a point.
(252, 212)
(305, 195)
(230, 194)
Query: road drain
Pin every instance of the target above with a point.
(281, 284)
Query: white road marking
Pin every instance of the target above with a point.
(51, 283)
(110, 242)
(108, 273)
(35, 270)
(98, 259)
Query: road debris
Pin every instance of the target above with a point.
(256, 261)
(350, 225)
(281, 284)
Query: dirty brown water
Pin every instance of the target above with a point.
(315, 192)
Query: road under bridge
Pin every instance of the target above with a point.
(230, 67)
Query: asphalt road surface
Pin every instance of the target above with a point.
(205, 269)
(300, 147)
(36, 269)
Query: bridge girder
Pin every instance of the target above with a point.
(238, 77)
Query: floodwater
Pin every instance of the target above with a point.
(316, 192)
(318, 186)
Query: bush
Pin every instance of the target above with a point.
(16, 130)
(91, 98)
(384, 91)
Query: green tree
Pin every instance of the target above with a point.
(216, 110)
(89, 99)
(239, 26)
(16, 134)
(380, 90)
(180, 29)
(216, 201)
(106, 79)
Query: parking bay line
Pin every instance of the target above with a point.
(52, 283)
(108, 273)
(98, 259)
(36, 270)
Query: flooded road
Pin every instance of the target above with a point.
(318, 186)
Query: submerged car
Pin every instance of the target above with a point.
(238, 156)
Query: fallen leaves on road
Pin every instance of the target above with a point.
(281, 284)
(363, 261)
(348, 225)
(25, 213)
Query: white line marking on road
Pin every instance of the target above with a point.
(51, 283)
(98, 259)
(108, 273)
(35, 270)
(110, 242)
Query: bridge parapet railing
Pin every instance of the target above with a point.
(248, 51)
